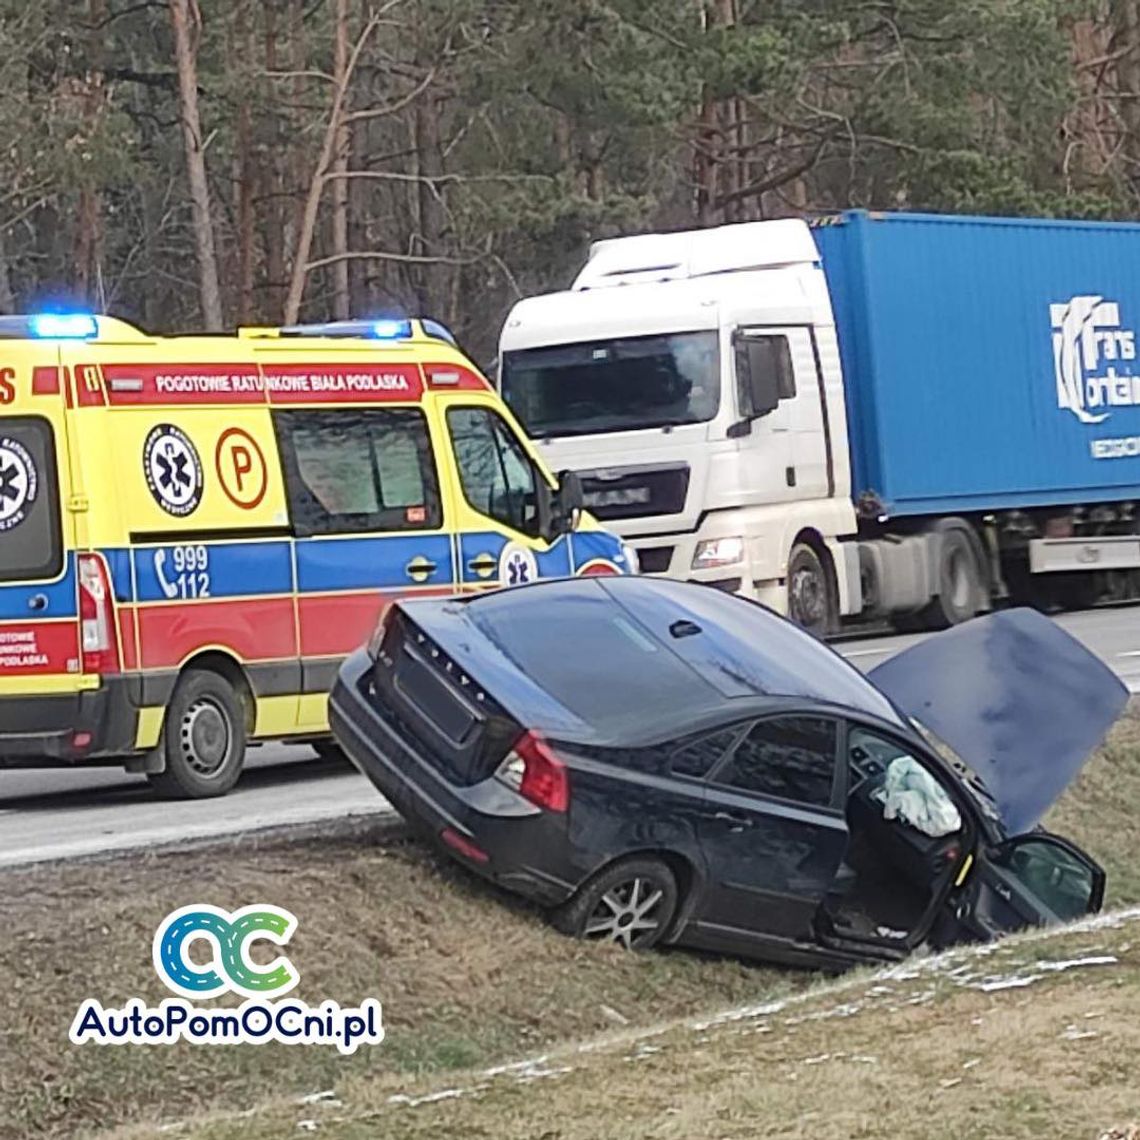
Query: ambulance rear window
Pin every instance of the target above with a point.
(30, 544)
(352, 470)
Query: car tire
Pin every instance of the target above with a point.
(631, 903)
(812, 602)
(204, 739)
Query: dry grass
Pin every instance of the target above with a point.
(462, 975)
(926, 1056)
(467, 979)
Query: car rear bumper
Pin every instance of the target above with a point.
(527, 849)
(46, 730)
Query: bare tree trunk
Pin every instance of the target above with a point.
(245, 172)
(341, 297)
(273, 189)
(312, 203)
(1125, 16)
(89, 220)
(432, 216)
(7, 299)
(187, 22)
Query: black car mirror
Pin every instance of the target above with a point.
(567, 504)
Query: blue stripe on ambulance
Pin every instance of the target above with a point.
(185, 571)
(589, 545)
(330, 564)
(476, 546)
(23, 603)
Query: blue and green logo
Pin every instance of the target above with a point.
(228, 968)
(230, 935)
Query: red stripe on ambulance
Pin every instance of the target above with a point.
(335, 625)
(132, 384)
(39, 647)
(342, 383)
(253, 629)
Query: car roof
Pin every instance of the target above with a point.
(627, 660)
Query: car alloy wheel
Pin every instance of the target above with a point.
(628, 914)
(630, 904)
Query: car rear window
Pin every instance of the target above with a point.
(30, 541)
(358, 470)
(573, 643)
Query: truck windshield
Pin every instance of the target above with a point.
(614, 385)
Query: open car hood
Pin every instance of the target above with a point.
(1016, 697)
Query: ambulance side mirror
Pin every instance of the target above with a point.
(558, 509)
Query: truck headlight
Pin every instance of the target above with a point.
(632, 562)
(718, 552)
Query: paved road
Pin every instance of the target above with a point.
(63, 814)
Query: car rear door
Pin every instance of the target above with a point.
(772, 830)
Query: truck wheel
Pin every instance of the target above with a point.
(811, 592)
(959, 581)
(204, 739)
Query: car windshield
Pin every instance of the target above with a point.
(614, 385)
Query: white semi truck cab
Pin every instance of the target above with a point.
(693, 381)
(911, 435)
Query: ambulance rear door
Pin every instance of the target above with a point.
(39, 601)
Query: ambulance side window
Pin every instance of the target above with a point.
(496, 474)
(31, 545)
(351, 471)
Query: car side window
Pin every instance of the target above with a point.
(697, 758)
(789, 758)
(358, 470)
(496, 474)
(1065, 883)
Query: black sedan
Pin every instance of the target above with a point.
(660, 762)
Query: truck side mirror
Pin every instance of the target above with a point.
(757, 377)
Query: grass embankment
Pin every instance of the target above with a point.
(467, 979)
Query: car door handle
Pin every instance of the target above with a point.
(38, 602)
(739, 822)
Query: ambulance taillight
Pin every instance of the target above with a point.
(100, 646)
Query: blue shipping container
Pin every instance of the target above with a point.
(989, 363)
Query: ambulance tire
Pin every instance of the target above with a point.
(204, 740)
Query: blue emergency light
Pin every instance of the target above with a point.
(63, 326)
(391, 330)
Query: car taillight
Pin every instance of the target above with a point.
(536, 773)
(99, 642)
(381, 630)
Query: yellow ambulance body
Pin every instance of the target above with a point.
(195, 531)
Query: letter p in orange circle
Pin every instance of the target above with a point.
(241, 468)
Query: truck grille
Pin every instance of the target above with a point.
(635, 492)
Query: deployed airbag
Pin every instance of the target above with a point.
(910, 793)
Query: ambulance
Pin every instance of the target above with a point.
(196, 531)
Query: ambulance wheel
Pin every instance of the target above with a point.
(204, 741)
